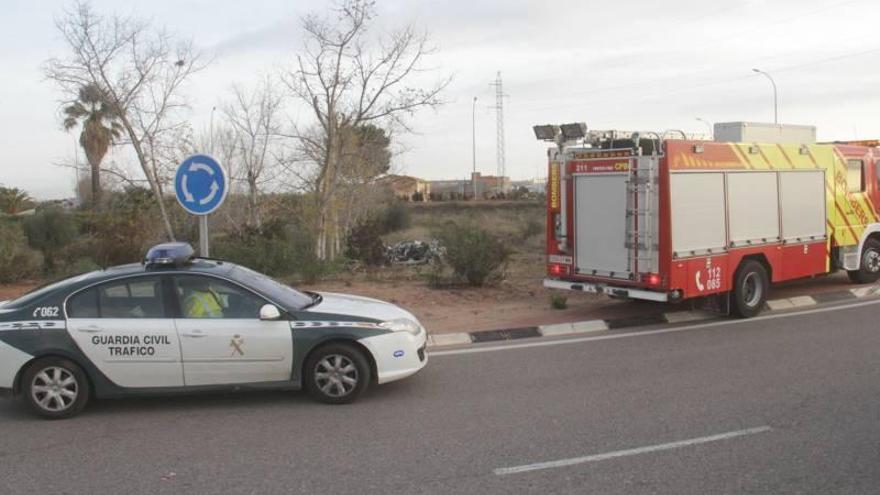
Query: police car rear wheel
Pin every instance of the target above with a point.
(337, 373)
(55, 388)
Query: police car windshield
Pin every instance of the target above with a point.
(282, 294)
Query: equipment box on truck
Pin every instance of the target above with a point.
(756, 132)
(645, 217)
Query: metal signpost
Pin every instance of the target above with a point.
(201, 185)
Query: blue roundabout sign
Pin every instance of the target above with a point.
(200, 184)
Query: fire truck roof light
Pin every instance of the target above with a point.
(576, 130)
(546, 132)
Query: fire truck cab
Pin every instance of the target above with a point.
(670, 218)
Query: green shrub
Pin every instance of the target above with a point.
(50, 230)
(317, 269)
(532, 228)
(395, 217)
(17, 260)
(475, 256)
(558, 301)
(76, 259)
(124, 231)
(276, 249)
(364, 243)
(274, 256)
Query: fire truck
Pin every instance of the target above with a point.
(666, 217)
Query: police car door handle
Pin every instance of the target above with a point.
(90, 329)
(194, 334)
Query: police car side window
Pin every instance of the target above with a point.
(139, 297)
(134, 298)
(83, 305)
(208, 297)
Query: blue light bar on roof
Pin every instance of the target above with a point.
(170, 253)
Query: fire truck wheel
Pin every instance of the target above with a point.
(750, 289)
(869, 266)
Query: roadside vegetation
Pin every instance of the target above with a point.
(304, 146)
(481, 242)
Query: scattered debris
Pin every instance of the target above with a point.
(414, 252)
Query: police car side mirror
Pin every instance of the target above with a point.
(269, 312)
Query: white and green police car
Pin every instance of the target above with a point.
(176, 323)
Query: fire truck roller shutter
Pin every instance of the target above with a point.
(753, 206)
(802, 199)
(600, 224)
(697, 213)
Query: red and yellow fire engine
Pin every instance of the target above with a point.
(648, 216)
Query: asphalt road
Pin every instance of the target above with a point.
(782, 405)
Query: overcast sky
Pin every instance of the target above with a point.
(614, 65)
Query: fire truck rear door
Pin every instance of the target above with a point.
(600, 224)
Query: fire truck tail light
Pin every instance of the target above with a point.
(556, 270)
(652, 279)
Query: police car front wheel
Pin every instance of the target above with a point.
(337, 373)
(55, 388)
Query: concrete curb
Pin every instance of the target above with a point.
(573, 328)
(581, 327)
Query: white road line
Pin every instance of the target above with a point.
(645, 333)
(624, 453)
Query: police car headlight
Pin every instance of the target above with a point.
(402, 325)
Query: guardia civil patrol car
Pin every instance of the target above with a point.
(176, 323)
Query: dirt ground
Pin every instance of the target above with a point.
(519, 302)
(527, 303)
(14, 290)
(468, 309)
(445, 310)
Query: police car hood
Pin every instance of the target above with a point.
(363, 307)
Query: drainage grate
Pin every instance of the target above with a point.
(635, 321)
(827, 297)
(507, 334)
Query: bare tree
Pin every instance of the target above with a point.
(348, 80)
(141, 70)
(254, 118)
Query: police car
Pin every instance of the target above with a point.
(178, 323)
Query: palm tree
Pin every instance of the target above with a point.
(13, 200)
(100, 129)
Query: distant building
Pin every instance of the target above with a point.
(536, 186)
(488, 185)
(450, 189)
(405, 187)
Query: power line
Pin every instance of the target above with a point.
(713, 82)
(739, 34)
(653, 81)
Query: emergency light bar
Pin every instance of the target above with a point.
(169, 254)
